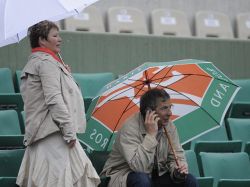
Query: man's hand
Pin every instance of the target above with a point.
(180, 172)
(183, 169)
(151, 122)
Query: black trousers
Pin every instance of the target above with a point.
(139, 179)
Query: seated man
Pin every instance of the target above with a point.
(141, 155)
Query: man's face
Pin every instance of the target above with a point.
(164, 112)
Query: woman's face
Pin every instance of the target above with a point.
(53, 41)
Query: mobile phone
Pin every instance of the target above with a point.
(150, 110)
(145, 112)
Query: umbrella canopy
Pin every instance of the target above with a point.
(200, 93)
(17, 16)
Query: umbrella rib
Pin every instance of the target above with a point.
(111, 99)
(124, 112)
(164, 75)
(147, 81)
(127, 106)
(186, 74)
(138, 86)
(18, 37)
(191, 99)
(76, 11)
(146, 75)
(189, 74)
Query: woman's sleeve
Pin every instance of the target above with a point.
(49, 73)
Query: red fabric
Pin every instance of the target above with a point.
(46, 50)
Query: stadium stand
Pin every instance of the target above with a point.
(247, 148)
(9, 100)
(90, 20)
(12, 101)
(11, 142)
(126, 20)
(59, 24)
(10, 130)
(216, 147)
(92, 83)
(9, 123)
(216, 135)
(233, 183)
(213, 24)
(194, 170)
(239, 129)
(230, 167)
(243, 25)
(240, 107)
(10, 161)
(98, 159)
(6, 85)
(87, 80)
(8, 182)
(214, 141)
(170, 23)
(229, 55)
(23, 117)
(18, 80)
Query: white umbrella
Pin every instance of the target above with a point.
(16, 16)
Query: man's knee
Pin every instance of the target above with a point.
(138, 179)
(191, 181)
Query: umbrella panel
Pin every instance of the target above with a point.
(195, 98)
(17, 16)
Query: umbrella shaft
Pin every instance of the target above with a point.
(171, 146)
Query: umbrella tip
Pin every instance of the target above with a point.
(147, 82)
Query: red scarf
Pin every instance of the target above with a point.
(46, 50)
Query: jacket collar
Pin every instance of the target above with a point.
(46, 50)
(53, 55)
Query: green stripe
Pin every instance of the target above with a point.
(194, 124)
(214, 72)
(111, 142)
(217, 98)
(96, 136)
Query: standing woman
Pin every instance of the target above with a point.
(54, 111)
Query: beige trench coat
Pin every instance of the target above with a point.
(53, 101)
(134, 150)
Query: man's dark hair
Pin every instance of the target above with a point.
(38, 30)
(151, 98)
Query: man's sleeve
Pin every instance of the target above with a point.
(139, 155)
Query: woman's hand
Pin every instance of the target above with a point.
(71, 143)
(68, 68)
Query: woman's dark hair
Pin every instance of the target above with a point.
(150, 99)
(38, 30)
